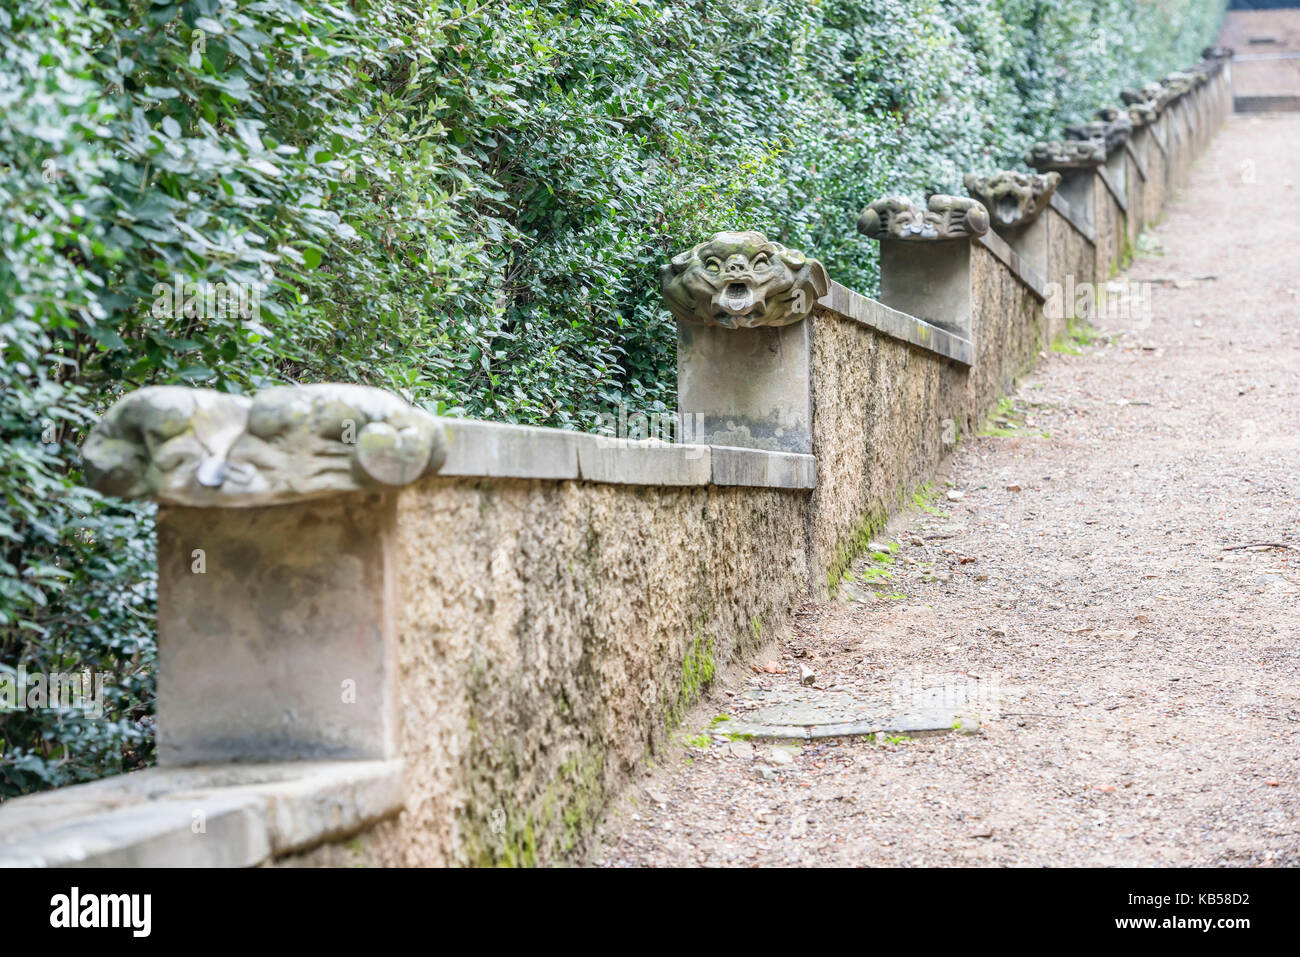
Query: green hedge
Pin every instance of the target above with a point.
(464, 202)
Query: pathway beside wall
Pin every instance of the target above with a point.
(1111, 574)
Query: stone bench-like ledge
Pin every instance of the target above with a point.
(220, 815)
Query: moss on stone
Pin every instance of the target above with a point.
(853, 546)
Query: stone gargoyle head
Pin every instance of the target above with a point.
(1013, 199)
(1113, 132)
(740, 280)
(203, 448)
(945, 217)
(1066, 154)
(1178, 83)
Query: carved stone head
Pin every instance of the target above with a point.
(203, 448)
(1012, 198)
(1142, 114)
(740, 280)
(1066, 154)
(1176, 84)
(1112, 131)
(1152, 95)
(945, 217)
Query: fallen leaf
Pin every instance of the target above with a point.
(1106, 788)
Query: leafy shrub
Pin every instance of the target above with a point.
(465, 202)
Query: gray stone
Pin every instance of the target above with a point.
(781, 755)
(1012, 198)
(203, 448)
(804, 714)
(624, 462)
(747, 388)
(807, 676)
(276, 631)
(740, 280)
(1066, 154)
(208, 816)
(762, 469)
(944, 218)
(500, 450)
(898, 324)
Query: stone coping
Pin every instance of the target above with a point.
(1084, 229)
(899, 325)
(216, 815)
(1016, 263)
(501, 450)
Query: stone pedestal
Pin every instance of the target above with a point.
(276, 631)
(750, 388)
(929, 280)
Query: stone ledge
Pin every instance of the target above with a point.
(627, 462)
(762, 469)
(249, 813)
(502, 450)
(1015, 262)
(1062, 206)
(917, 332)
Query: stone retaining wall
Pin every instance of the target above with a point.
(391, 639)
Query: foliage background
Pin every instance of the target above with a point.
(465, 202)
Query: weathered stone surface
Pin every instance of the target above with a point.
(1143, 114)
(543, 633)
(623, 462)
(803, 714)
(203, 448)
(945, 217)
(740, 280)
(1178, 84)
(276, 632)
(1066, 154)
(762, 469)
(502, 450)
(248, 813)
(749, 388)
(897, 324)
(1013, 198)
(1113, 131)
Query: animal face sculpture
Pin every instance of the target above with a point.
(740, 280)
(203, 448)
(1066, 154)
(945, 217)
(1013, 198)
(1113, 132)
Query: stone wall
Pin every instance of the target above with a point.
(440, 642)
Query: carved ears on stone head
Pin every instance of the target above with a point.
(796, 260)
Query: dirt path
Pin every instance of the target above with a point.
(1145, 680)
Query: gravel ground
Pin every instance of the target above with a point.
(1140, 671)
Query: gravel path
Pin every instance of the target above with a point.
(1141, 681)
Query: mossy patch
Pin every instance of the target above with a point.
(858, 541)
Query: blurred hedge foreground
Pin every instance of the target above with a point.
(463, 202)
